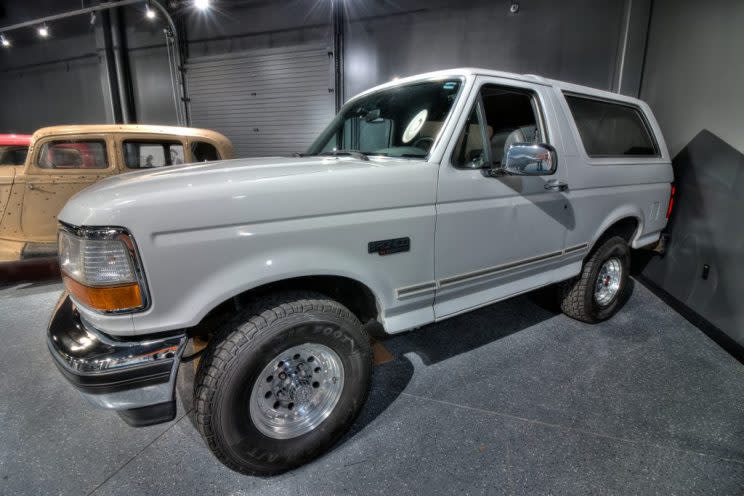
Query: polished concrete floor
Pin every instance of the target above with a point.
(511, 399)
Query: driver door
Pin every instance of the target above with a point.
(497, 235)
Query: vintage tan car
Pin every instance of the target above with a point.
(63, 160)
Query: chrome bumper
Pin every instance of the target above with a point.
(134, 377)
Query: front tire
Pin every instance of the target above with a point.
(600, 290)
(282, 382)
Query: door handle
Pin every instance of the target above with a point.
(31, 186)
(556, 185)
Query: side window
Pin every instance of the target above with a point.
(509, 116)
(204, 152)
(13, 155)
(610, 129)
(151, 154)
(73, 154)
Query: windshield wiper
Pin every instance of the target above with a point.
(351, 153)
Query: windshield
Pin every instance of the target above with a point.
(13, 155)
(402, 121)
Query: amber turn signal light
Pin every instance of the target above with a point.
(106, 298)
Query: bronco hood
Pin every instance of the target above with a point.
(207, 173)
(247, 190)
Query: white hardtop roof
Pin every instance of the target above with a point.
(531, 78)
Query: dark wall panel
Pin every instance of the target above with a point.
(52, 94)
(241, 26)
(152, 88)
(578, 41)
(52, 81)
(582, 41)
(703, 267)
(693, 80)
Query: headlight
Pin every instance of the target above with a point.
(100, 269)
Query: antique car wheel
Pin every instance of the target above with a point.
(599, 291)
(282, 382)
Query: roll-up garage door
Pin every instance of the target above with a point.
(268, 102)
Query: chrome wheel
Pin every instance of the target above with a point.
(608, 281)
(297, 391)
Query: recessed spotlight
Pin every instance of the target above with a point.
(202, 4)
(43, 31)
(5, 41)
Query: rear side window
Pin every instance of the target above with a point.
(73, 154)
(204, 152)
(13, 155)
(610, 129)
(152, 154)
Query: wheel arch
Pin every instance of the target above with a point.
(355, 295)
(626, 223)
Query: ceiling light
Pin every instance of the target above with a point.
(43, 31)
(149, 13)
(5, 41)
(201, 4)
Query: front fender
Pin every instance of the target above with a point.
(191, 272)
(280, 265)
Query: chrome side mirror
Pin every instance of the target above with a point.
(527, 159)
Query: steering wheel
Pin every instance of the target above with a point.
(423, 141)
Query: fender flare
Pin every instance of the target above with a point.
(618, 214)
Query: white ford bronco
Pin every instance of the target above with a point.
(424, 198)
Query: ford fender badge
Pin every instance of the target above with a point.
(389, 246)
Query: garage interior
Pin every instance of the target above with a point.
(513, 398)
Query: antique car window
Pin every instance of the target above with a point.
(13, 155)
(610, 129)
(511, 116)
(151, 154)
(204, 152)
(73, 154)
(402, 121)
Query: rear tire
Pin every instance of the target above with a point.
(282, 382)
(600, 290)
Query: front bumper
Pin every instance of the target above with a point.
(136, 378)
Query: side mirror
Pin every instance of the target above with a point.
(527, 159)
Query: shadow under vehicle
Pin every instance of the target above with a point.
(63, 160)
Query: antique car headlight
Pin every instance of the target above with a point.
(101, 269)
